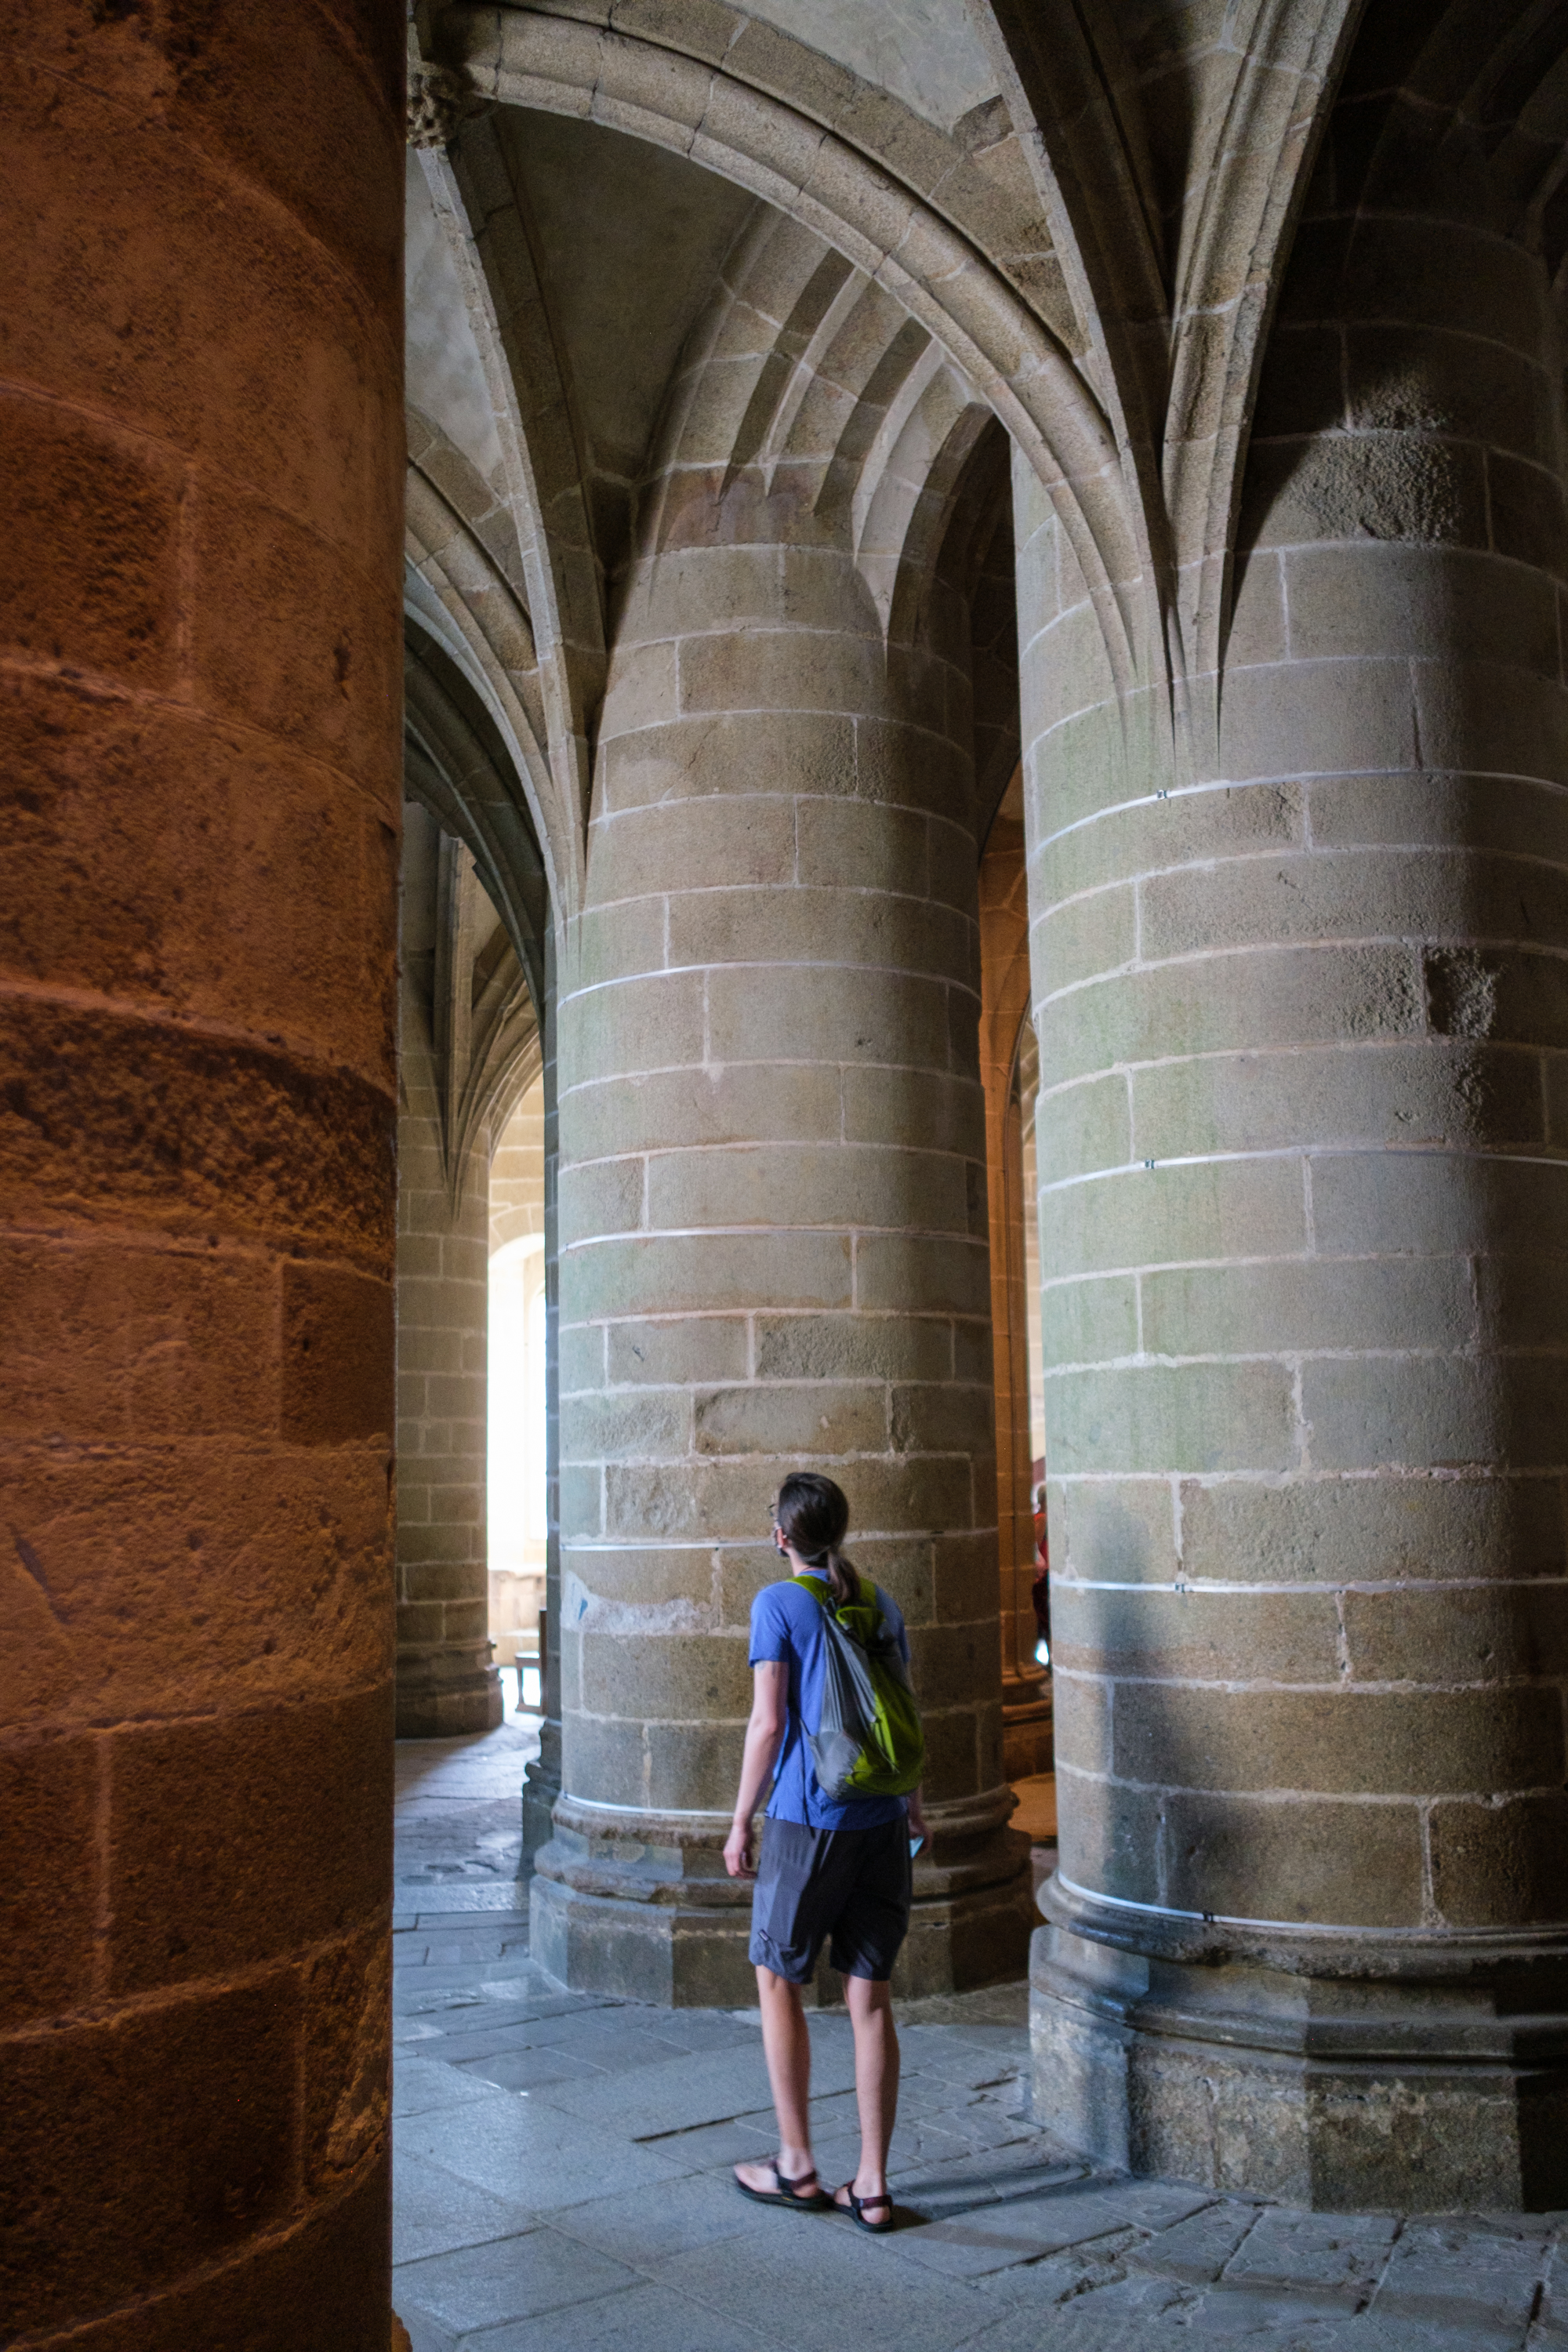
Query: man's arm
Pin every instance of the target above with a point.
(765, 1737)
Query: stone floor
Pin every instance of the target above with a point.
(563, 2173)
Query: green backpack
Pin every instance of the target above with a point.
(870, 1742)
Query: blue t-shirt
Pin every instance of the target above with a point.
(786, 1624)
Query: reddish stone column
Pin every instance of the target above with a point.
(200, 398)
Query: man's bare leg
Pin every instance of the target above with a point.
(786, 2045)
(876, 2087)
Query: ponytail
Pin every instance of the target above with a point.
(841, 1577)
(812, 1514)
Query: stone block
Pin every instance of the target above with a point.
(180, 923)
(1084, 1127)
(216, 2166)
(713, 1103)
(1406, 378)
(1306, 718)
(698, 1764)
(1377, 1094)
(854, 1347)
(765, 924)
(94, 516)
(1364, 1531)
(176, 1145)
(603, 1196)
(337, 1355)
(649, 1023)
(600, 1580)
(1193, 1635)
(783, 1010)
(1500, 1865)
(668, 1678)
(619, 942)
(719, 1499)
(922, 1272)
(707, 1272)
(786, 753)
(911, 767)
(581, 1355)
(1114, 1531)
(48, 1799)
(945, 1418)
(780, 669)
(819, 1421)
(1436, 1413)
(626, 1425)
(1089, 1322)
(1306, 1859)
(601, 1759)
(1153, 837)
(944, 1108)
(741, 840)
(1380, 1203)
(1369, 490)
(1252, 1310)
(1525, 505)
(854, 845)
(686, 1350)
(640, 689)
(1366, 602)
(1465, 1633)
(235, 1618)
(154, 1343)
(1233, 1004)
(1089, 936)
(783, 1185)
(294, 587)
(1337, 1743)
(1108, 1835)
(186, 1907)
(1487, 716)
(1165, 1215)
(1202, 1417)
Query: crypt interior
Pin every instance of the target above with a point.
(832, 734)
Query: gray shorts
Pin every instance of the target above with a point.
(851, 1884)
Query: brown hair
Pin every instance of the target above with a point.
(812, 1514)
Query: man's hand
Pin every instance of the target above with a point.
(917, 1814)
(738, 1850)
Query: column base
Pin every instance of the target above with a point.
(640, 1904)
(1028, 1744)
(447, 1694)
(1344, 2073)
(541, 1789)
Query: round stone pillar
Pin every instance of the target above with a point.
(199, 657)
(772, 1247)
(1303, 1136)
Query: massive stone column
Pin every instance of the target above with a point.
(1005, 1001)
(772, 1235)
(1302, 1123)
(199, 655)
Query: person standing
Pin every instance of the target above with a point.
(831, 1870)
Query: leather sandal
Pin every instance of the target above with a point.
(791, 2193)
(857, 2210)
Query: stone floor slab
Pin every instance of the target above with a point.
(432, 2213)
(513, 2148)
(510, 2279)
